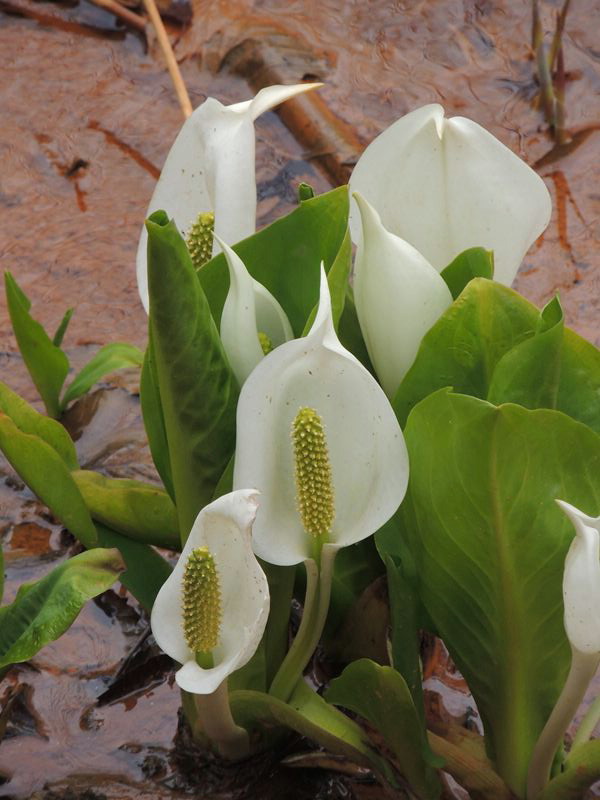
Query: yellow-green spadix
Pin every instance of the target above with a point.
(217, 570)
(444, 185)
(211, 167)
(362, 458)
(251, 319)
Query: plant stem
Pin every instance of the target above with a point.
(172, 65)
(316, 606)
(211, 719)
(587, 725)
(583, 669)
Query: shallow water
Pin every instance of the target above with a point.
(88, 116)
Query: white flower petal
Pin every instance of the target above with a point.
(398, 296)
(224, 527)
(445, 185)
(369, 463)
(211, 167)
(249, 309)
(581, 582)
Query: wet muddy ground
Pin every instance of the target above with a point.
(87, 116)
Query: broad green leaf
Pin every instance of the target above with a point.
(350, 334)
(47, 475)
(286, 257)
(46, 363)
(381, 696)
(582, 769)
(309, 715)
(44, 610)
(489, 544)
(62, 327)
(146, 569)
(154, 421)
(463, 347)
(493, 344)
(109, 358)
(28, 420)
(197, 389)
(137, 510)
(337, 278)
(476, 262)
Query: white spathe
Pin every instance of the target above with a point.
(581, 582)
(398, 296)
(249, 309)
(367, 453)
(445, 185)
(211, 167)
(224, 527)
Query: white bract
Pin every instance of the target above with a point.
(398, 296)
(250, 311)
(581, 582)
(445, 185)
(211, 167)
(361, 459)
(224, 528)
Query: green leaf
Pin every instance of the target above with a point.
(489, 545)
(154, 421)
(46, 363)
(305, 192)
(493, 344)
(109, 358)
(28, 420)
(350, 334)
(197, 389)
(286, 257)
(381, 696)
(476, 262)
(308, 714)
(62, 328)
(337, 279)
(137, 510)
(47, 475)
(581, 771)
(44, 610)
(146, 569)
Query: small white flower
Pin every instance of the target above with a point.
(252, 323)
(398, 296)
(581, 582)
(445, 185)
(231, 605)
(318, 438)
(211, 168)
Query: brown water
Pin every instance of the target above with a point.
(88, 116)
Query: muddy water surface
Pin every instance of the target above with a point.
(87, 117)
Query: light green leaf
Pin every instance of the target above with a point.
(28, 420)
(137, 510)
(286, 257)
(154, 421)
(381, 696)
(476, 262)
(44, 610)
(489, 545)
(582, 769)
(308, 714)
(47, 475)
(109, 358)
(197, 389)
(46, 363)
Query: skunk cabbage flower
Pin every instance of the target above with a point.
(398, 296)
(213, 608)
(318, 438)
(210, 169)
(252, 323)
(581, 582)
(445, 185)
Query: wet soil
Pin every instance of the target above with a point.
(88, 115)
